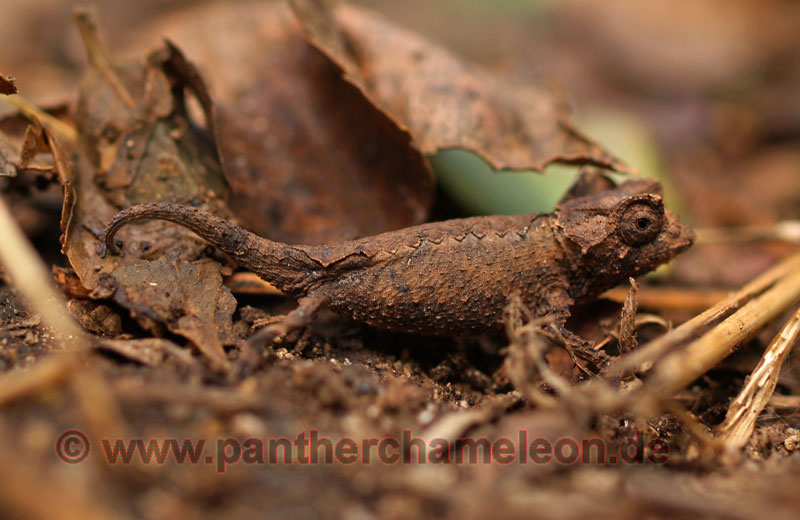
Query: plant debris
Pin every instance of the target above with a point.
(7, 85)
(442, 102)
(128, 388)
(142, 147)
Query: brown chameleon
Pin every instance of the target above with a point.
(454, 277)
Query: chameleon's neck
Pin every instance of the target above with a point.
(285, 266)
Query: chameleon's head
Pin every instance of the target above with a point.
(620, 233)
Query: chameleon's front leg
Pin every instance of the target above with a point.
(556, 305)
(577, 347)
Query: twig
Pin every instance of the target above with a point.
(33, 280)
(31, 111)
(740, 421)
(670, 298)
(643, 358)
(679, 368)
(98, 59)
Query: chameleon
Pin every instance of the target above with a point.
(453, 277)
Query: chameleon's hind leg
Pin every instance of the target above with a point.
(307, 307)
(279, 326)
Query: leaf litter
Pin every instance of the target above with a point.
(147, 146)
(445, 103)
(141, 146)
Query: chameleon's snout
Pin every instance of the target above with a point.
(680, 236)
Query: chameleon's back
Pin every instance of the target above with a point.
(451, 284)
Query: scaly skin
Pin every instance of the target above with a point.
(454, 277)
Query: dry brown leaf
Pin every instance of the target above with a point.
(309, 159)
(21, 144)
(147, 153)
(312, 157)
(442, 102)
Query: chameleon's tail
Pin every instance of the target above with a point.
(285, 266)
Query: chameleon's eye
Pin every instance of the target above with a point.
(640, 224)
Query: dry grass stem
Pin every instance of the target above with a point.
(31, 111)
(32, 279)
(98, 59)
(643, 358)
(670, 298)
(679, 368)
(740, 421)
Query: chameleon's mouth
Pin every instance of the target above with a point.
(685, 241)
(680, 237)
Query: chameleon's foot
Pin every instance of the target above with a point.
(595, 359)
(579, 349)
(300, 317)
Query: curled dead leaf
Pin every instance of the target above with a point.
(445, 103)
(313, 154)
(308, 158)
